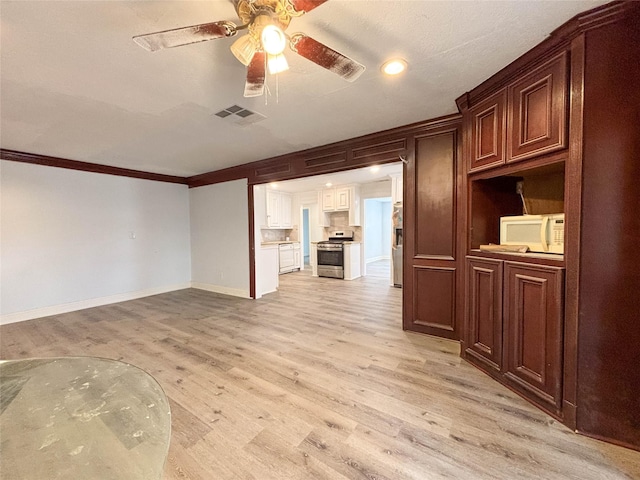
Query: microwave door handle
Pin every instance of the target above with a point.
(543, 234)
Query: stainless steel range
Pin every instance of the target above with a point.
(331, 254)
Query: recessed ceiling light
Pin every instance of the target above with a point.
(375, 168)
(273, 185)
(394, 66)
(328, 184)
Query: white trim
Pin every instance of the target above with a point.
(235, 292)
(378, 258)
(83, 304)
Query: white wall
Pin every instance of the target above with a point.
(65, 240)
(308, 200)
(377, 229)
(220, 237)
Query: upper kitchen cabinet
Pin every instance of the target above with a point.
(337, 199)
(278, 210)
(487, 126)
(525, 119)
(345, 198)
(396, 188)
(537, 111)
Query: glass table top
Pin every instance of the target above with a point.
(81, 418)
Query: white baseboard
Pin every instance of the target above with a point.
(82, 304)
(235, 292)
(377, 259)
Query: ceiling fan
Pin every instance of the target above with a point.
(261, 49)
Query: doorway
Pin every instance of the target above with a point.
(306, 239)
(377, 237)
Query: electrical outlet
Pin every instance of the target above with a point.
(520, 187)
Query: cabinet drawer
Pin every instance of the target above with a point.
(537, 112)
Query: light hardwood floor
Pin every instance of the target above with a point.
(380, 268)
(318, 381)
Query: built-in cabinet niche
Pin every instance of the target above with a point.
(492, 197)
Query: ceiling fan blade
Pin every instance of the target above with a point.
(254, 87)
(185, 35)
(305, 6)
(326, 57)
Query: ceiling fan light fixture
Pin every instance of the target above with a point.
(273, 39)
(394, 66)
(277, 64)
(244, 48)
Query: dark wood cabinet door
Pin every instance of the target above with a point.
(537, 112)
(533, 316)
(487, 122)
(484, 313)
(432, 284)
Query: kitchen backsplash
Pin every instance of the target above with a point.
(340, 221)
(277, 235)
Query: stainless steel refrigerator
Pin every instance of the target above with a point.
(396, 246)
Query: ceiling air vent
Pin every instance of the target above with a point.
(247, 117)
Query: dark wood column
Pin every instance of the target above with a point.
(432, 275)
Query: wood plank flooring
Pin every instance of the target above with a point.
(380, 268)
(318, 381)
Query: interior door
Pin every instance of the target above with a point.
(433, 283)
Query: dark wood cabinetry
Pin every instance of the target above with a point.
(484, 314)
(537, 112)
(533, 330)
(487, 123)
(514, 326)
(569, 328)
(432, 271)
(526, 119)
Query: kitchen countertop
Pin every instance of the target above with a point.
(278, 242)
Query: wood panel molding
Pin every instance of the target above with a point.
(322, 160)
(36, 159)
(368, 150)
(435, 307)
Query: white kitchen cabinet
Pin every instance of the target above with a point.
(285, 210)
(313, 258)
(297, 256)
(273, 209)
(340, 199)
(328, 200)
(278, 209)
(396, 188)
(267, 270)
(343, 198)
(351, 261)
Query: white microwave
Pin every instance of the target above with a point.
(541, 233)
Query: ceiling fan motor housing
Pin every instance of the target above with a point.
(279, 12)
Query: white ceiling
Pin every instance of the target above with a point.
(74, 85)
(378, 173)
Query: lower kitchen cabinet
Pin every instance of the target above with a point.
(351, 260)
(484, 294)
(533, 305)
(297, 258)
(514, 326)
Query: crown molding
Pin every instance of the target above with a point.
(36, 159)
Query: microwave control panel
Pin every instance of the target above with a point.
(558, 232)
